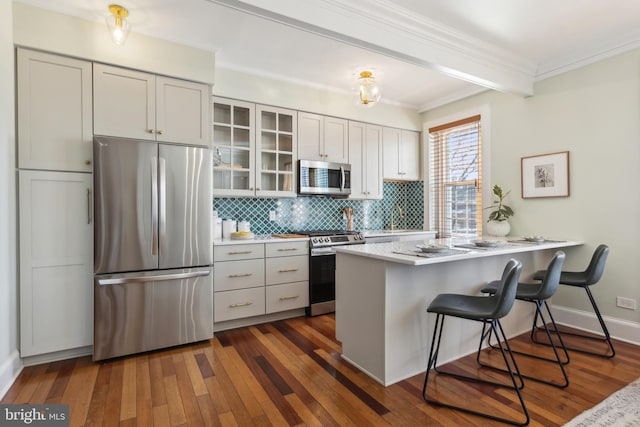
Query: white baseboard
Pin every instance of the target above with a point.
(57, 355)
(619, 329)
(9, 371)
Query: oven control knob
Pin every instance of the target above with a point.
(326, 239)
(314, 240)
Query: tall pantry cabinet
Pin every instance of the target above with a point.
(54, 106)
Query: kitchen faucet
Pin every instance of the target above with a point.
(396, 207)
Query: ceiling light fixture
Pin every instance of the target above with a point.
(368, 89)
(118, 25)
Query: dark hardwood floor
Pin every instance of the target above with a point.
(291, 373)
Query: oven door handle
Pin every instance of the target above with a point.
(322, 251)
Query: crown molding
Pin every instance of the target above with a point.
(401, 35)
(604, 50)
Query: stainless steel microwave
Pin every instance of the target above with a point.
(324, 178)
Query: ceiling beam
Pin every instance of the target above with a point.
(384, 28)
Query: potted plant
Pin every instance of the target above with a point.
(497, 224)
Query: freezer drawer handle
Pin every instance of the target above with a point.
(288, 298)
(240, 304)
(233, 276)
(162, 277)
(287, 270)
(239, 252)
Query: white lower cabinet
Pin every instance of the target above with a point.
(257, 279)
(287, 296)
(231, 305)
(56, 261)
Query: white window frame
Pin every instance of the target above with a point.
(485, 125)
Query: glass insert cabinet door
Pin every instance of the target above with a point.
(276, 151)
(233, 147)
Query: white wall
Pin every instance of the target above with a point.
(9, 361)
(238, 85)
(64, 34)
(594, 113)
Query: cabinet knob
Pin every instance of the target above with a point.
(87, 162)
(159, 131)
(258, 189)
(149, 130)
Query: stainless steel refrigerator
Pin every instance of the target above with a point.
(153, 283)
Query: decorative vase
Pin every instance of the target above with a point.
(497, 228)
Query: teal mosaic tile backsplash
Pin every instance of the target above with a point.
(314, 213)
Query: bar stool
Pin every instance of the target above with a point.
(538, 294)
(488, 310)
(585, 279)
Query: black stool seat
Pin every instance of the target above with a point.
(488, 310)
(538, 294)
(464, 306)
(585, 279)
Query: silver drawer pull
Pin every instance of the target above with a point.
(233, 276)
(287, 298)
(287, 270)
(240, 304)
(239, 252)
(287, 249)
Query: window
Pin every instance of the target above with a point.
(455, 178)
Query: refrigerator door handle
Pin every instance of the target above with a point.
(155, 278)
(154, 206)
(163, 204)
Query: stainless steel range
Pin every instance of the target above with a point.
(322, 267)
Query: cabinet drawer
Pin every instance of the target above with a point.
(287, 296)
(287, 249)
(237, 304)
(234, 252)
(287, 269)
(231, 275)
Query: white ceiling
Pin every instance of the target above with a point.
(425, 52)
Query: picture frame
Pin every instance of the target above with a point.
(545, 175)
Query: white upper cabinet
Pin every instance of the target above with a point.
(54, 112)
(401, 151)
(276, 151)
(323, 138)
(365, 153)
(182, 111)
(133, 104)
(233, 148)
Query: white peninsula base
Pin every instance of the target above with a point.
(381, 301)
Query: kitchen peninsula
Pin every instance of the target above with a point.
(383, 290)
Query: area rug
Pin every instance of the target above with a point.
(622, 408)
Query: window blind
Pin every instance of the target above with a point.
(455, 178)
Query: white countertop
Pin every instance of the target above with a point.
(389, 251)
(258, 238)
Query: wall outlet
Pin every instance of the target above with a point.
(627, 303)
(272, 215)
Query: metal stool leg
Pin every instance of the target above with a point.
(611, 352)
(557, 359)
(496, 328)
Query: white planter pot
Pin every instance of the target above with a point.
(497, 228)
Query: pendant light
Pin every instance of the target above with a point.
(118, 25)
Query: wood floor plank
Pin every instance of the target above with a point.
(290, 372)
(144, 401)
(114, 394)
(80, 388)
(128, 400)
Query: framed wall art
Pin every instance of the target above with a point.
(545, 175)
